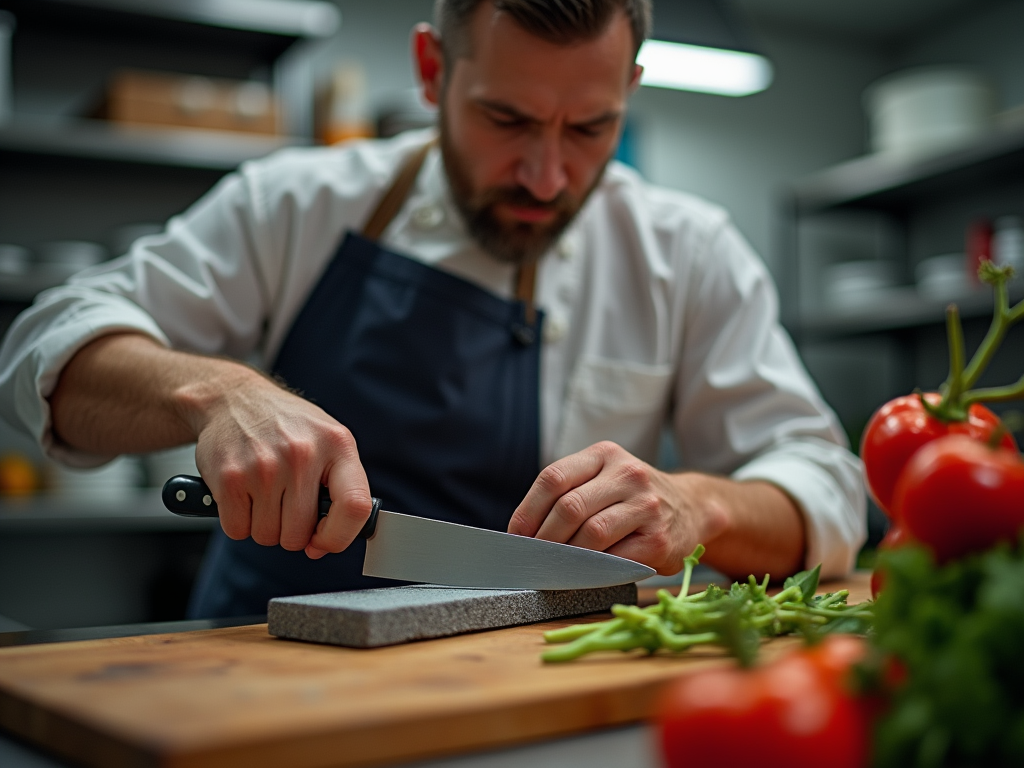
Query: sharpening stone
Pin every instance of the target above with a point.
(373, 617)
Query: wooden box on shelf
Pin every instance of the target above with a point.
(139, 97)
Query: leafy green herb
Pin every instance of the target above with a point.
(956, 629)
(736, 619)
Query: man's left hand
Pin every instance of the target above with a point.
(605, 498)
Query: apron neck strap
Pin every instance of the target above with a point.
(391, 203)
(526, 278)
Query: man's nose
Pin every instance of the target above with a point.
(542, 168)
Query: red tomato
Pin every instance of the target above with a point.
(793, 713)
(894, 537)
(901, 427)
(957, 496)
(834, 655)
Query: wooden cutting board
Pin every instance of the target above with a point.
(239, 697)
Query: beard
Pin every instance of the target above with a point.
(519, 242)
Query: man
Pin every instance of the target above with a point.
(428, 375)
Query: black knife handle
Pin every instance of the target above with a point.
(189, 496)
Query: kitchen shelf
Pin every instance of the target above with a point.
(886, 183)
(893, 310)
(300, 18)
(137, 511)
(263, 27)
(174, 147)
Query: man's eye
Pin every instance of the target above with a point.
(508, 122)
(590, 131)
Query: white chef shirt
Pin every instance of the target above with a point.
(657, 312)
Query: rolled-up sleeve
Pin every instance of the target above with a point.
(745, 405)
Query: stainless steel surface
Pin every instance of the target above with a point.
(435, 552)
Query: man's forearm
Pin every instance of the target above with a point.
(762, 530)
(126, 393)
(263, 451)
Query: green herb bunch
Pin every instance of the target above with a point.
(736, 618)
(956, 630)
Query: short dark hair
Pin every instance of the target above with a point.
(558, 21)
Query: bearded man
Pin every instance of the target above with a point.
(491, 326)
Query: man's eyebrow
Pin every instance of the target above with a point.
(506, 109)
(509, 111)
(607, 117)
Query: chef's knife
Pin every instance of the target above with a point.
(436, 552)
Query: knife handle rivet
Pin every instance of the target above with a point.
(207, 500)
(180, 495)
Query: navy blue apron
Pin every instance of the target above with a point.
(438, 381)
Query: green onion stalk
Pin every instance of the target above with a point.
(735, 619)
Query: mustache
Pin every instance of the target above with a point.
(521, 197)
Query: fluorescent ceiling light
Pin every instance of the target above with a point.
(706, 70)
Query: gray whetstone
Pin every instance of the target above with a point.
(372, 617)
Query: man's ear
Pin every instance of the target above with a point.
(634, 81)
(429, 58)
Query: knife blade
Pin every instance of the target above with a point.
(430, 551)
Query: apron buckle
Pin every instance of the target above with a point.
(525, 334)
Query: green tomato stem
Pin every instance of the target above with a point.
(1002, 318)
(995, 394)
(957, 392)
(951, 407)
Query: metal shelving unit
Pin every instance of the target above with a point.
(64, 176)
(902, 190)
(898, 309)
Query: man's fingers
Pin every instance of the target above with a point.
(234, 504)
(350, 503)
(606, 528)
(647, 549)
(300, 502)
(269, 452)
(572, 511)
(552, 484)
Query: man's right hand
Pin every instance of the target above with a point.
(263, 451)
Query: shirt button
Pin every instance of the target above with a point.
(428, 217)
(554, 330)
(565, 249)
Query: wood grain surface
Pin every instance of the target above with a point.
(239, 697)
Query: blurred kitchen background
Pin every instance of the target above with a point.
(871, 150)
